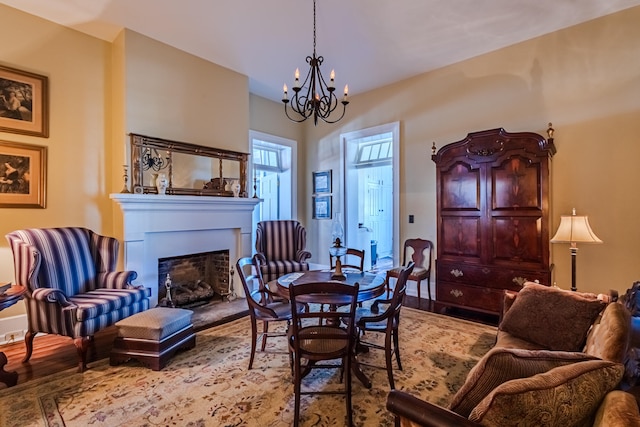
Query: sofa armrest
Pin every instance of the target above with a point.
(416, 412)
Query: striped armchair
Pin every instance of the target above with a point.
(281, 247)
(72, 286)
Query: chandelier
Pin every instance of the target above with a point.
(314, 98)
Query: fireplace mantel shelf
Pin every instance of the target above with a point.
(129, 201)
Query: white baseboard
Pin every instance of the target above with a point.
(14, 325)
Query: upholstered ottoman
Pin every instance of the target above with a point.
(153, 336)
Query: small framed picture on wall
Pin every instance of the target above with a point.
(322, 182)
(322, 207)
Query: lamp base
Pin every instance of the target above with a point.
(337, 274)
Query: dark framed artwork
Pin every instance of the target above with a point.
(23, 175)
(322, 207)
(24, 102)
(322, 182)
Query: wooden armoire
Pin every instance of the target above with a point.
(493, 217)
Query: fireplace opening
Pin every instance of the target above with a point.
(194, 279)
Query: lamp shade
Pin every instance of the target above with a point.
(575, 229)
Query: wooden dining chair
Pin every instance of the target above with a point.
(318, 336)
(354, 258)
(263, 304)
(387, 323)
(421, 252)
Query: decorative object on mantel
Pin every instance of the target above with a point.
(125, 177)
(315, 98)
(574, 229)
(162, 183)
(190, 169)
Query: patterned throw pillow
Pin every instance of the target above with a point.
(565, 396)
(553, 318)
(500, 365)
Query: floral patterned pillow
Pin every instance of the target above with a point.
(565, 396)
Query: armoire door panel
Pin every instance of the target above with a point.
(515, 184)
(460, 188)
(517, 239)
(461, 236)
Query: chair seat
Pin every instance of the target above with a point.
(418, 273)
(95, 303)
(311, 339)
(281, 308)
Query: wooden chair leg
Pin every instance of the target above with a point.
(254, 338)
(28, 342)
(82, 345)
(265, 331)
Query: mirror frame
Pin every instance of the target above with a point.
(140, 144)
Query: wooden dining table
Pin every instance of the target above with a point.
(371, 286)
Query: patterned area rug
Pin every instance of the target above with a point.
(211, 386)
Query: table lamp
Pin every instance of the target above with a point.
(337, 249)
(574, 229)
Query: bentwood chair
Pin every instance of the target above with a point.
(281, 244)
(264, 305)
(387, 323)
(73, 288)
(318, 336)
(421, 252)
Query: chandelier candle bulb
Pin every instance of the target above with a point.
(297, 77)
(284, 88)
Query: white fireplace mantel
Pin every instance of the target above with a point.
(162, 226)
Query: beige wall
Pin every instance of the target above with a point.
(100, 92)
(583, 79)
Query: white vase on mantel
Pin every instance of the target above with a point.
(235, 188)
(161, 183)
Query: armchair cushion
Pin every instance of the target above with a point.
(500, 365)
(569, 395)
(609, 336)
(540, 313)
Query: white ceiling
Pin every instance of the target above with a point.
(369, 43)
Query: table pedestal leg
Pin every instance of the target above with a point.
(9, 378)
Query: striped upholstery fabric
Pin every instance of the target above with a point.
(282, 244)
(73, 289)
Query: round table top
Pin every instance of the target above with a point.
(11, 296)
(371, 285)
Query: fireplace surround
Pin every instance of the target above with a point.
(164, 226)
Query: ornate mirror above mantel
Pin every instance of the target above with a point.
(190, 169)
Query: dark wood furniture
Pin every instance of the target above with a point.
(319, 336)
(153, 336)
(7, 299)
(264, 305)
(421, 252)
(492, 217)
(349, 257)
(370, 286)
(387, 323)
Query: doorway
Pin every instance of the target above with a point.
(371, 208)
(273, 176)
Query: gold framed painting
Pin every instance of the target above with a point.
(23, 175)
(24, 102)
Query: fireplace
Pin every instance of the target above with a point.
(194, 279)
(165, 226)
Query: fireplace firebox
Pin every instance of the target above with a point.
(193, 279)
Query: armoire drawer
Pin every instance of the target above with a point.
(493, 277)
(457, 294)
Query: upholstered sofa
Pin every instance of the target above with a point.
(557, 361)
